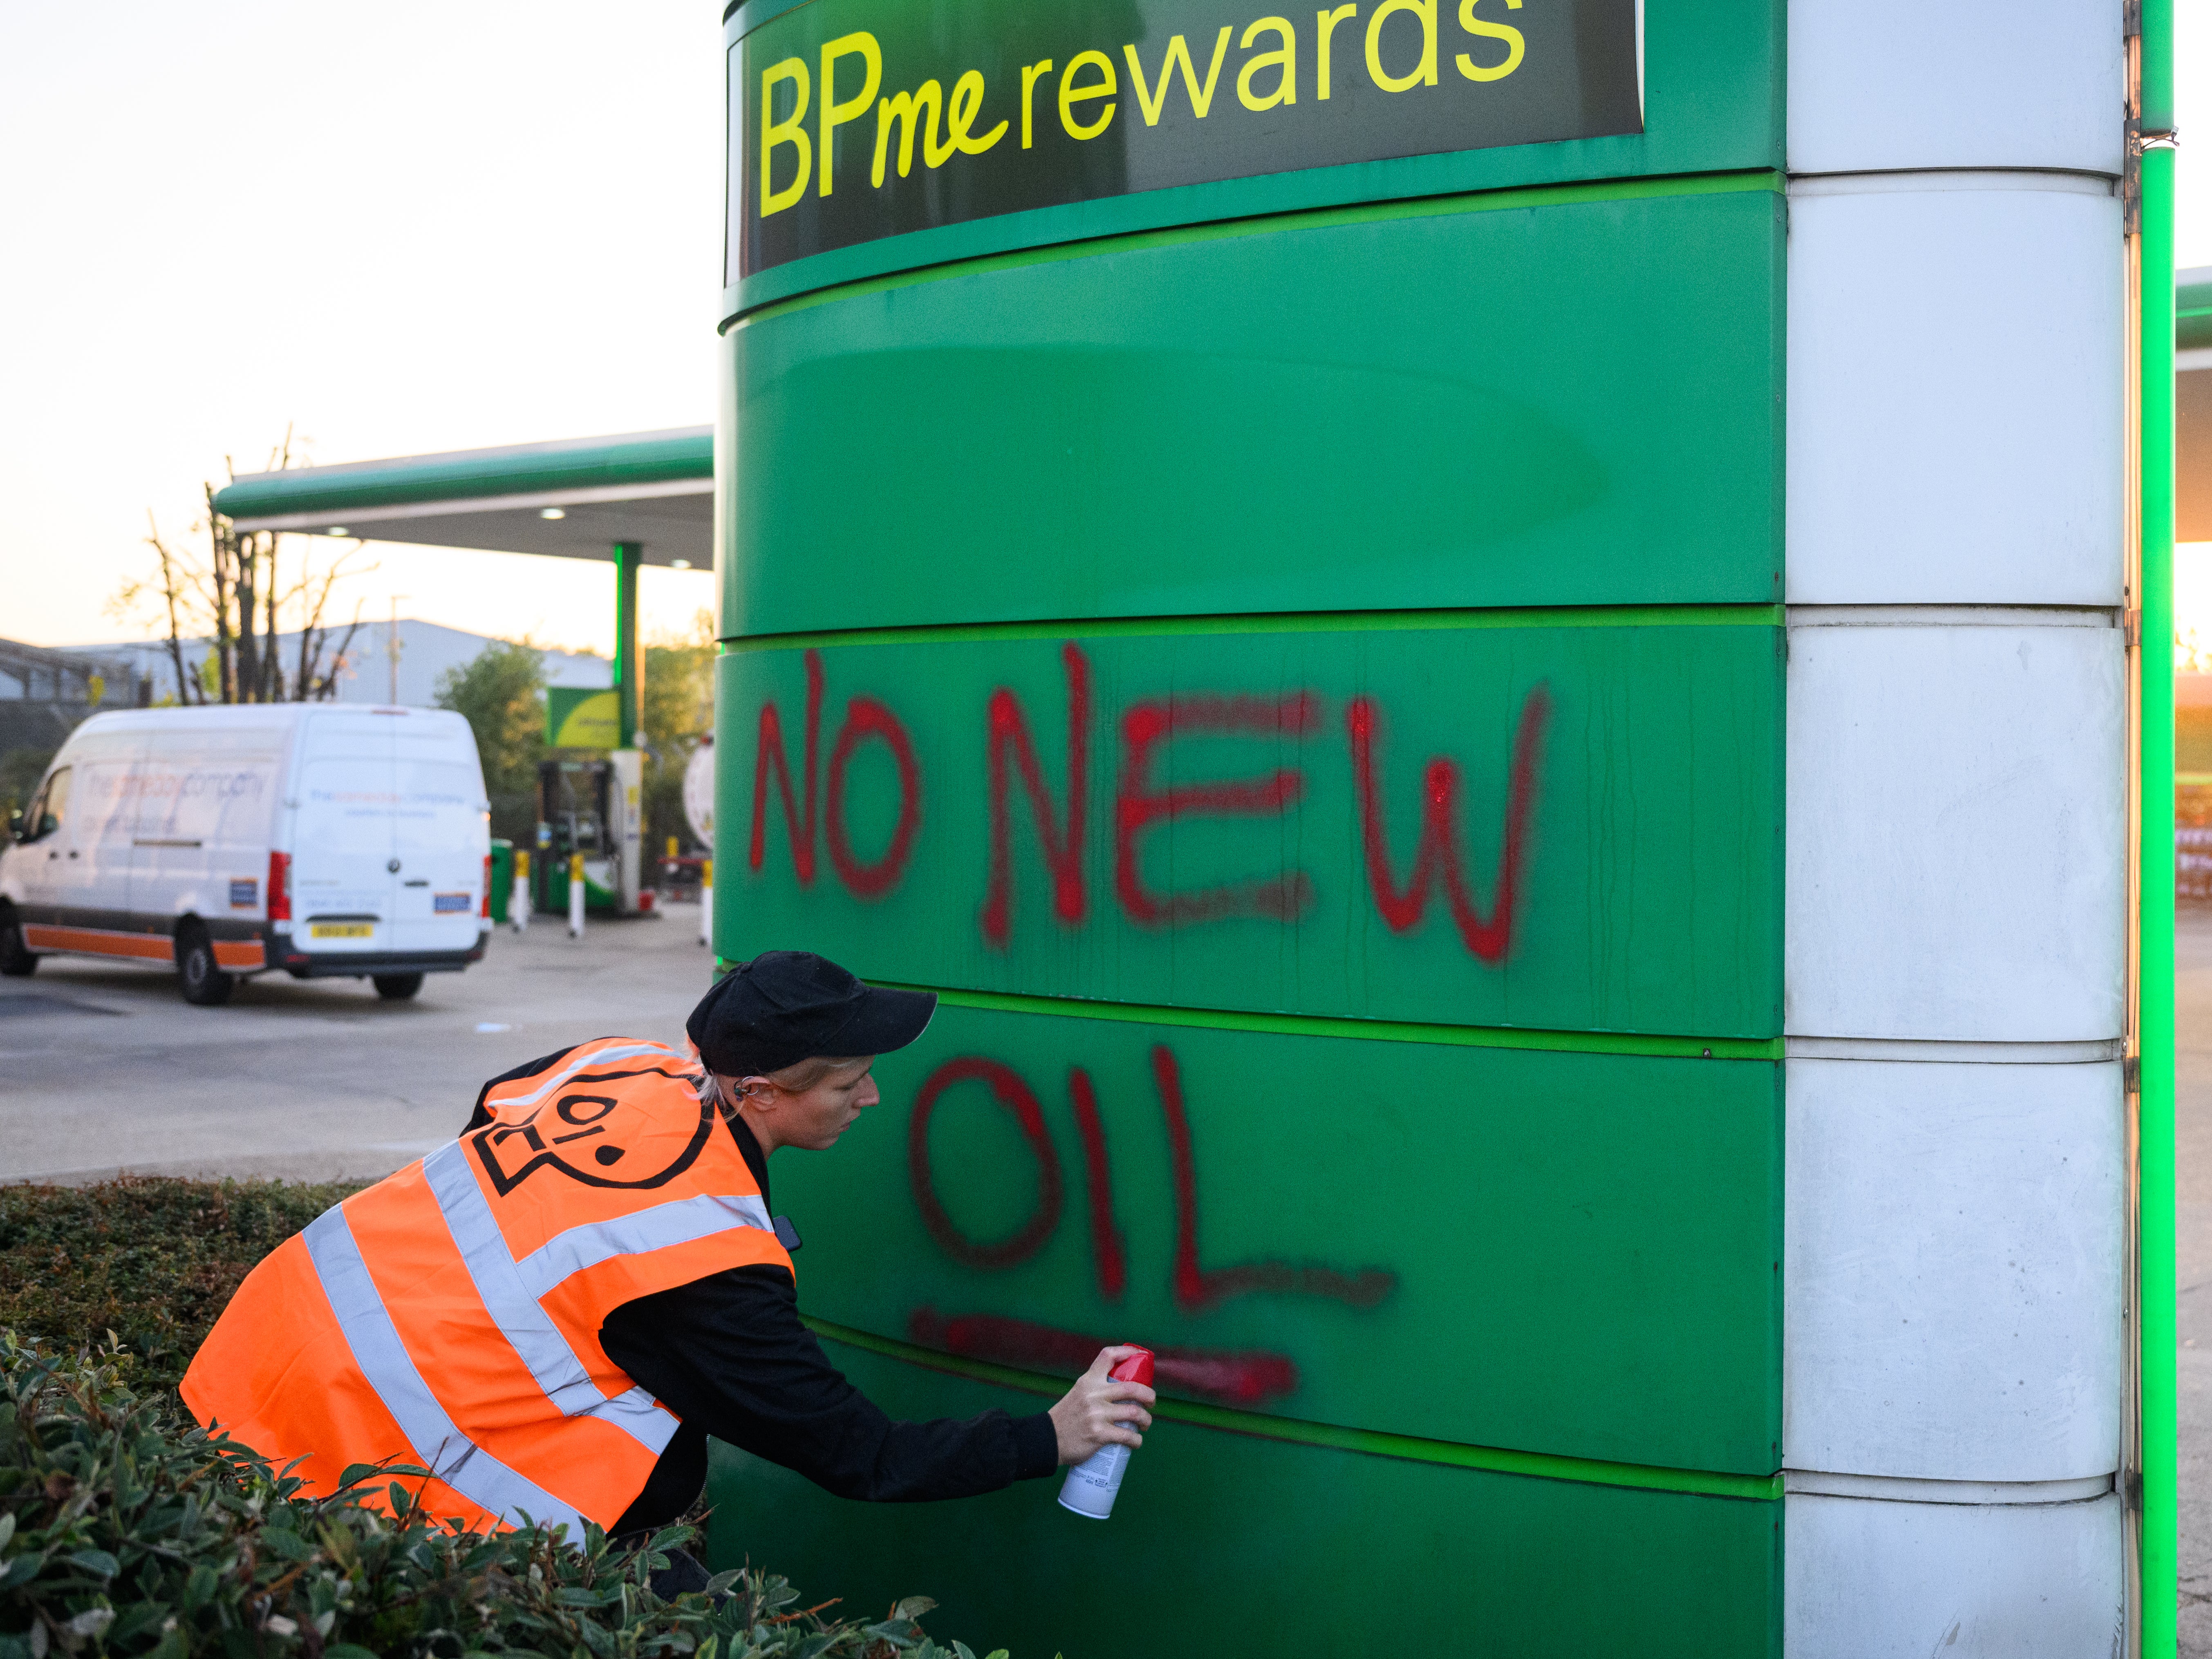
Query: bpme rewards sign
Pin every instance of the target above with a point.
(934, 115)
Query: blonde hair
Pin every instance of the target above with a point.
(802, 1075)
(795, 1078)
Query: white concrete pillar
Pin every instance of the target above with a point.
(1955, 953)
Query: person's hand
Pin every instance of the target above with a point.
(1092, 1414)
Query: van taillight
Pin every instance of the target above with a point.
(280, 887)
(485, 909)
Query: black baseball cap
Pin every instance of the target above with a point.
(784, 1007)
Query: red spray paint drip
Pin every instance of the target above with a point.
(1139, 805)
(1437, 856)
(1198, 1288)
(1106, 1246)
(865, 718)
(1011, 1093)
(768, 755)
(1062, 837)
(1236, 1379)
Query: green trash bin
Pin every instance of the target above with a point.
(503, 876)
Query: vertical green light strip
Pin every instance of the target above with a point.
(2155, 1032)
(629, 678)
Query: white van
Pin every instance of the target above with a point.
(318, 838)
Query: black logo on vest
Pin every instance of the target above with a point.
(592, 1124)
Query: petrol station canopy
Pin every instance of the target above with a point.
(574, 498)
(2192, 399)
(635, 498)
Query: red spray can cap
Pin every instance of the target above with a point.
(1137, 1368)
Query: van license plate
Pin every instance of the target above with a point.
(452, 904)
(343, 930)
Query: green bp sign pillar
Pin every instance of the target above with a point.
(1522, 872)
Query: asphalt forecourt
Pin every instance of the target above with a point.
(2193, 1240)
(105, 1070)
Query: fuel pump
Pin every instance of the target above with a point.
(596, 808)
(626, 804)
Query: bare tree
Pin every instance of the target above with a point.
(236, 601)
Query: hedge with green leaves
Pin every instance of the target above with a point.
(123, 1530)
(150, 1259)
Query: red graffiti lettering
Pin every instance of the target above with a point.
(865, 718)
(768, 752)
(1010, 1091)
(1437, 857)
(1197, 1287)
(1062, 840)
(1240, 1379)
(1105, 1238)
(1138, 806)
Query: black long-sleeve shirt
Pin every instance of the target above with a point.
(728, 1355)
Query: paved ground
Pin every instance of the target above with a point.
(2193, 1262)
(105, 1068)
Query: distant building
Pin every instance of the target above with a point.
(426, 651)
(43, 692)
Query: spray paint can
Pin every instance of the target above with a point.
(1091, 1485)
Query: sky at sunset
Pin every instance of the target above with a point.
(413, 228)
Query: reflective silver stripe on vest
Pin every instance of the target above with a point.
(527, 1326)
(678, 1222)
(603, 1057)
(436, 1443)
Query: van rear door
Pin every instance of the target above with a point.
(439, 839)
(389, 844)
(342, 881)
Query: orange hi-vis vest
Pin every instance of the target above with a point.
(449, 1316)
